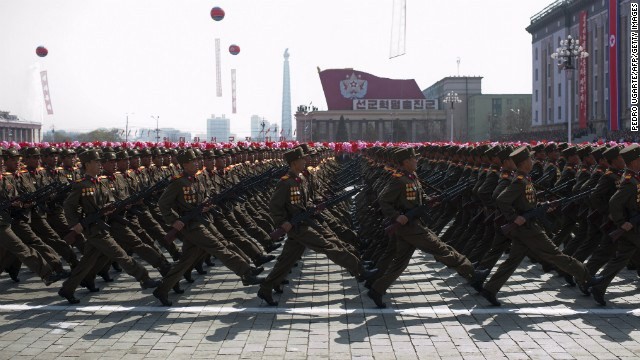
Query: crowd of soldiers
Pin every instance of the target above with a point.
(573, 209)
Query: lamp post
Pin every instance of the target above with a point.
(452, 97)
(566, 55)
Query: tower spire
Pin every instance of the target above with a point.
(286, 99)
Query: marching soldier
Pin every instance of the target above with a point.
(184, 194)
(91, 194)
(289, 199)
(402, 194)
(528, 237)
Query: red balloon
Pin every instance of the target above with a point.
(234, 49)
(41, 51)
(217, 14)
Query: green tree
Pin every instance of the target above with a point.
(341, 133)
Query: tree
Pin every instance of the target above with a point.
(342, 134)
(101, 134)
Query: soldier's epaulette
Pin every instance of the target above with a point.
(164, 167)
(286, 177)
(176, 177)
(118, 172)
(23, 171)
(141, 168)
(102, 177)
(494, 170)
(59, 168)
(609, 172)
(519, 178)
(627, 178)
(80, 180)
(398, 174)
(505, 175)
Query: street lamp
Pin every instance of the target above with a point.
(452, 97)
(566, 54)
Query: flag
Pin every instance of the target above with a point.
(614, 101)
(44, 78)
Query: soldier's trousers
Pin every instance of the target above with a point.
(245, 244)
(42, 228)
(317, 239)
(483, 245)
(59, 224)
(155, 230)
(499, 245)
(532, 240)
(29, 238)
(197, 238)
(12, 248)
(131, 243)
(627, 246)
(101, 246)
(429, 243)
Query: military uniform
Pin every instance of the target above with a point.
(91, 194)
(402, 194)
(184, 193)
(516, 199)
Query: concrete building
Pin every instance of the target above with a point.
(259, 127)
(492, 115)
(14, 129)
(218, 129)
(465, 87)
(555, 97)
(362, 106)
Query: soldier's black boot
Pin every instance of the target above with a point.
(598, 295)
(367, 274)
(90, 285)
(105, 276)
(491, 298)
(257, 271)
(266, 296)
(479, 276)
(250, 279)
(163, 297)
(177, 289)
(13, 274)
(116, 267)
(377, 298)
(263, 259)
(149, 283)
(70, 298)
(164, 268)
(278, 289)
(199, 268)
(209, 261)
(187, 276)
(51, 278)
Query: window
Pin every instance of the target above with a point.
(548, 69)
(536, 95)
(535, 51)
(595, 83)
(559, 89)
(595, 109)
(559, 112)
(549, 92)
(536, 115)
(536, 75)
(550, 115)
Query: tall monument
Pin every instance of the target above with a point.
(286, 100)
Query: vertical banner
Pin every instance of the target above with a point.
(398, 28)
(614, 101)
(633, 59)
(45, 91)
(218, 70)
(233, 91)
(583, 99)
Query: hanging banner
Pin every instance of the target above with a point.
(45, 91)
(218, 70)
(583, 97)
(614, 101)
(233, 91)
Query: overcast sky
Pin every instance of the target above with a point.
(156, 57)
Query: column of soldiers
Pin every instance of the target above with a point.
(556, 204)
(571, 209)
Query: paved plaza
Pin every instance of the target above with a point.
(324, 313)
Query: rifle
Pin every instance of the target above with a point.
(554, 190)
(196, 212)
(541, 210)
(114, 209)
(308, 214)
(419, 211)
(635, 220)
(545, 176)
(31, 197)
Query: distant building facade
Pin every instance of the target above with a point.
(218, 128)
(14, 129)
(362, 106)
(259, 127)
(556, 98)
